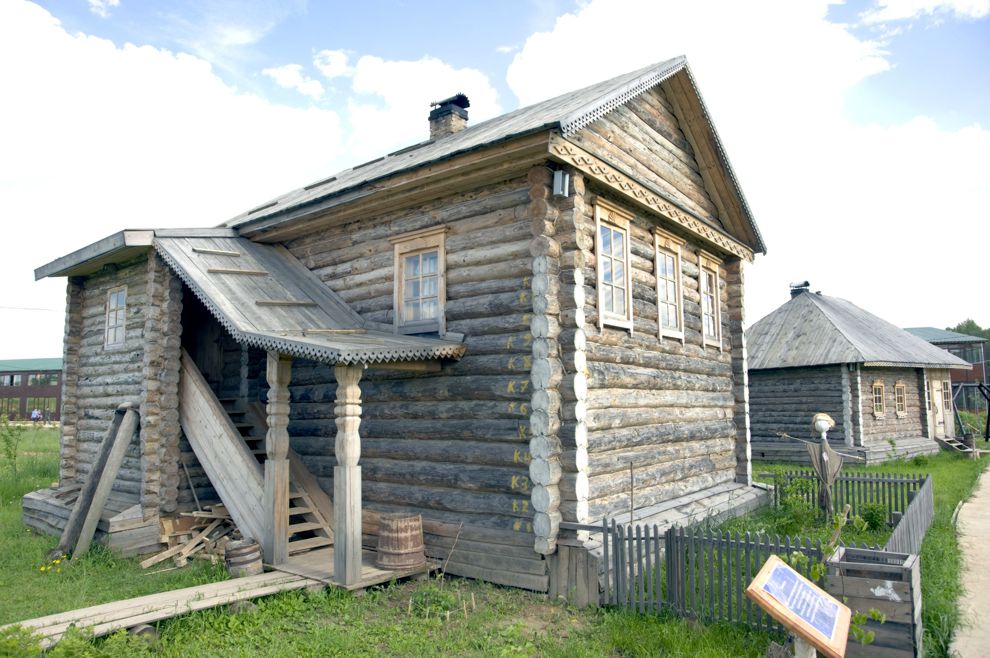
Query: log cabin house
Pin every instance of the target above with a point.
(889, 392)
(492, 328)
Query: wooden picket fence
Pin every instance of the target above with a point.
(858, 490)
(702, 574)
(914, 523)
(692, 572)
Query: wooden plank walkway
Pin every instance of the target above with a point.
(308, 570)
(109, 617)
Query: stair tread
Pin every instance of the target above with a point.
(306, 525)
(299, 510)
(302, 545)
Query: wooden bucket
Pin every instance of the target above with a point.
(400, 542)
(243, 558)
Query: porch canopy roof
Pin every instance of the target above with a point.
(266, 298)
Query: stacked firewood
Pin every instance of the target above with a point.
(202, 534)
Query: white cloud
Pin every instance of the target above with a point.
(102, 7)
(332, 63)
(897, 10)
(505, 50)
(393, 100)
(103, 137)
(291, 76)
(877, 214)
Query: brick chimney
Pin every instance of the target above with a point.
(448, 116)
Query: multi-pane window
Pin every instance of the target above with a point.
(10, 407)
(614, 279)
(668, 269)
(900, 399)
(116, 317)
(419, 282)
(420, 287)
(42, 379)
(708, 283)
(947, 397)
(879, 407)
(928, 395)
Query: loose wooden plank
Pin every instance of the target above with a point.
(73, 527)
(122, 440)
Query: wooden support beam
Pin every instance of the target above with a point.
(276, 503)
(122, 439)
(347, 476)
(215, 252)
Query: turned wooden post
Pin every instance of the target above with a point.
(276, 504)
(347, 476)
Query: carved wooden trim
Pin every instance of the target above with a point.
(597, 169)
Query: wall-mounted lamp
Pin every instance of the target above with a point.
(561, 183)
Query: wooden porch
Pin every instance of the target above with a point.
(318, 565)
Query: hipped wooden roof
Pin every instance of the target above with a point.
(567, 113)
(265, 297)
(813, 330)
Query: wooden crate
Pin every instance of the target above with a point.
(889, 582)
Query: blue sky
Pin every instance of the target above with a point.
(860, 132)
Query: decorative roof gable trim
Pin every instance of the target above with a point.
(616, 180)
(575, 122)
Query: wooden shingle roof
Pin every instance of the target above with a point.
(266, 298)
(812, 330)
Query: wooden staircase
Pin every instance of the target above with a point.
(228, 438)
(953, 444)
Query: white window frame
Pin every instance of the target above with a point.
(115, 327)
(878, 383)
(422, 241)
(946, 397)
(616, 219)
(667, 244)
(900, 399)
(707, 263)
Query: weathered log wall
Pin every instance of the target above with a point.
(784, 400)
(665, 406)
(108, 377)
(892, 426)
(452, 445)
(644, 139)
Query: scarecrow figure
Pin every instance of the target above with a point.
(826, 462)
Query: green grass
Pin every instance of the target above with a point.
(484, 620)
(408, 619)
(31, 588)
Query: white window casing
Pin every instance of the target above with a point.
(420, 290)
(670, 294)
(614, 278)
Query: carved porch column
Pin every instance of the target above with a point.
(347, 476)
(276, 504)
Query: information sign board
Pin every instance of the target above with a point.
(801, 606)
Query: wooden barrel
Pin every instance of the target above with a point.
(400, 542)
(243, 558)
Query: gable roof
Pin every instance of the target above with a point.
(940, 336)
(568, 113)
(812, 330)
(30, 365)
